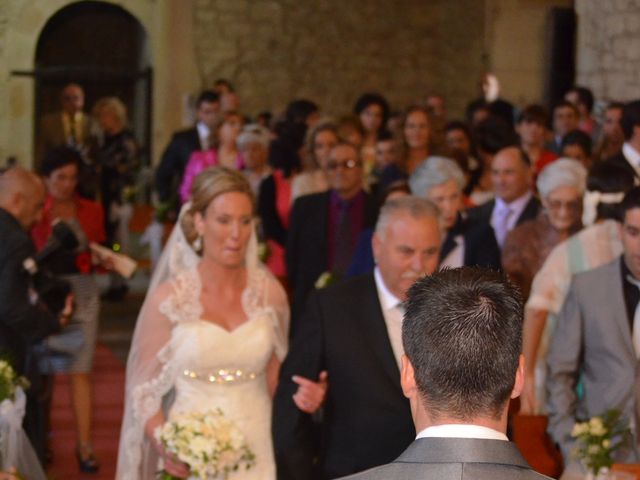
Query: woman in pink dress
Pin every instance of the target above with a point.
(224, 151)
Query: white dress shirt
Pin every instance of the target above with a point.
(455, 258)
(462, 431)
(203, 132)
(393, 313)
(515, 208)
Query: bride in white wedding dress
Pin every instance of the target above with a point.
(211, 334)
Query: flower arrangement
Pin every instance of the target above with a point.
(598, 438)
(10, 381)
(208, 443)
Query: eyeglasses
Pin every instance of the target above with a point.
(571, 206)
(347, 165)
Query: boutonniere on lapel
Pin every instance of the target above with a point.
(324, 280)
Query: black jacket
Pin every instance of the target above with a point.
(174, 161)
(22, 323)
(307, 239)
(367, 419)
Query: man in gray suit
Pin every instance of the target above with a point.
(598, 339)
(462, 335)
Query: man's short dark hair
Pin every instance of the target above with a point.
(207, 96)
(372, 99)
(59, 157)
(534, 114)
(631, 200)
(585, 96)
(462, 332)
(608, 177)
(566, 104)
(580, 138)
(630, 118)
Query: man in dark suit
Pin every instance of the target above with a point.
(515, 203)
(324, 227)
(23, 319)
(629, 157)
(184, 143)
(462, 334)
(352, 331)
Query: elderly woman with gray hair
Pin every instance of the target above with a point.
(561, 185)
(253, 144)
(441, 180)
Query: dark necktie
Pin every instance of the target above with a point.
(342, 241)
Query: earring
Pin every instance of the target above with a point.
(197, 243)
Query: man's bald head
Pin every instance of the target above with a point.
(22, 195)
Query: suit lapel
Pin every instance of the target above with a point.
(530, 211)
(375, 331)
(619, 311)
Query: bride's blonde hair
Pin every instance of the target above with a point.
(207, 186)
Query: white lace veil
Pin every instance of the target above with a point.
(150, 371)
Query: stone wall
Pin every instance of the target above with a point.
(331, 51)
(609, 48)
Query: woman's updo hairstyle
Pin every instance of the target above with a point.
(207, 186)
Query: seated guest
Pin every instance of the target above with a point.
(274, 200)
(583, 100)
(598, 243)
(459, 142)
(253, 145)
(223, 151)
(462, 334)
(597, 340)
(577, 145)
(324, 227)
(561, 185)
(319, 141)
(532, 127)
(387, 170)
(416, 136)
(565, 119)
(515, 203)
(611, 137)
(441, 180)
(629, 157)
(489, 136)
(373, 111)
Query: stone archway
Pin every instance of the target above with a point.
(169, 26)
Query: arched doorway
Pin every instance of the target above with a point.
(105, 49)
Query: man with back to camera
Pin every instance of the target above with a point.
(462, 334)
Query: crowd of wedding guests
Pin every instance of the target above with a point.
(366, 201)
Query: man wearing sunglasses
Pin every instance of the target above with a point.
(324, 227)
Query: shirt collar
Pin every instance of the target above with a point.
(462, 431)
(517, 205)
(631, 154)
(387, 299)
(203, 131)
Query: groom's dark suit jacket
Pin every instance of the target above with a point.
(455, 459)
(366, 420)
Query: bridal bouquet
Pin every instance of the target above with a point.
(208, 442)
(598, 438)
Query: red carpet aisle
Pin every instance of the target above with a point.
(108, 384)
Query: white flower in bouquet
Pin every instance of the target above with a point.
(209, 443)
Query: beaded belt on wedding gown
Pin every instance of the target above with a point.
(222, 376)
